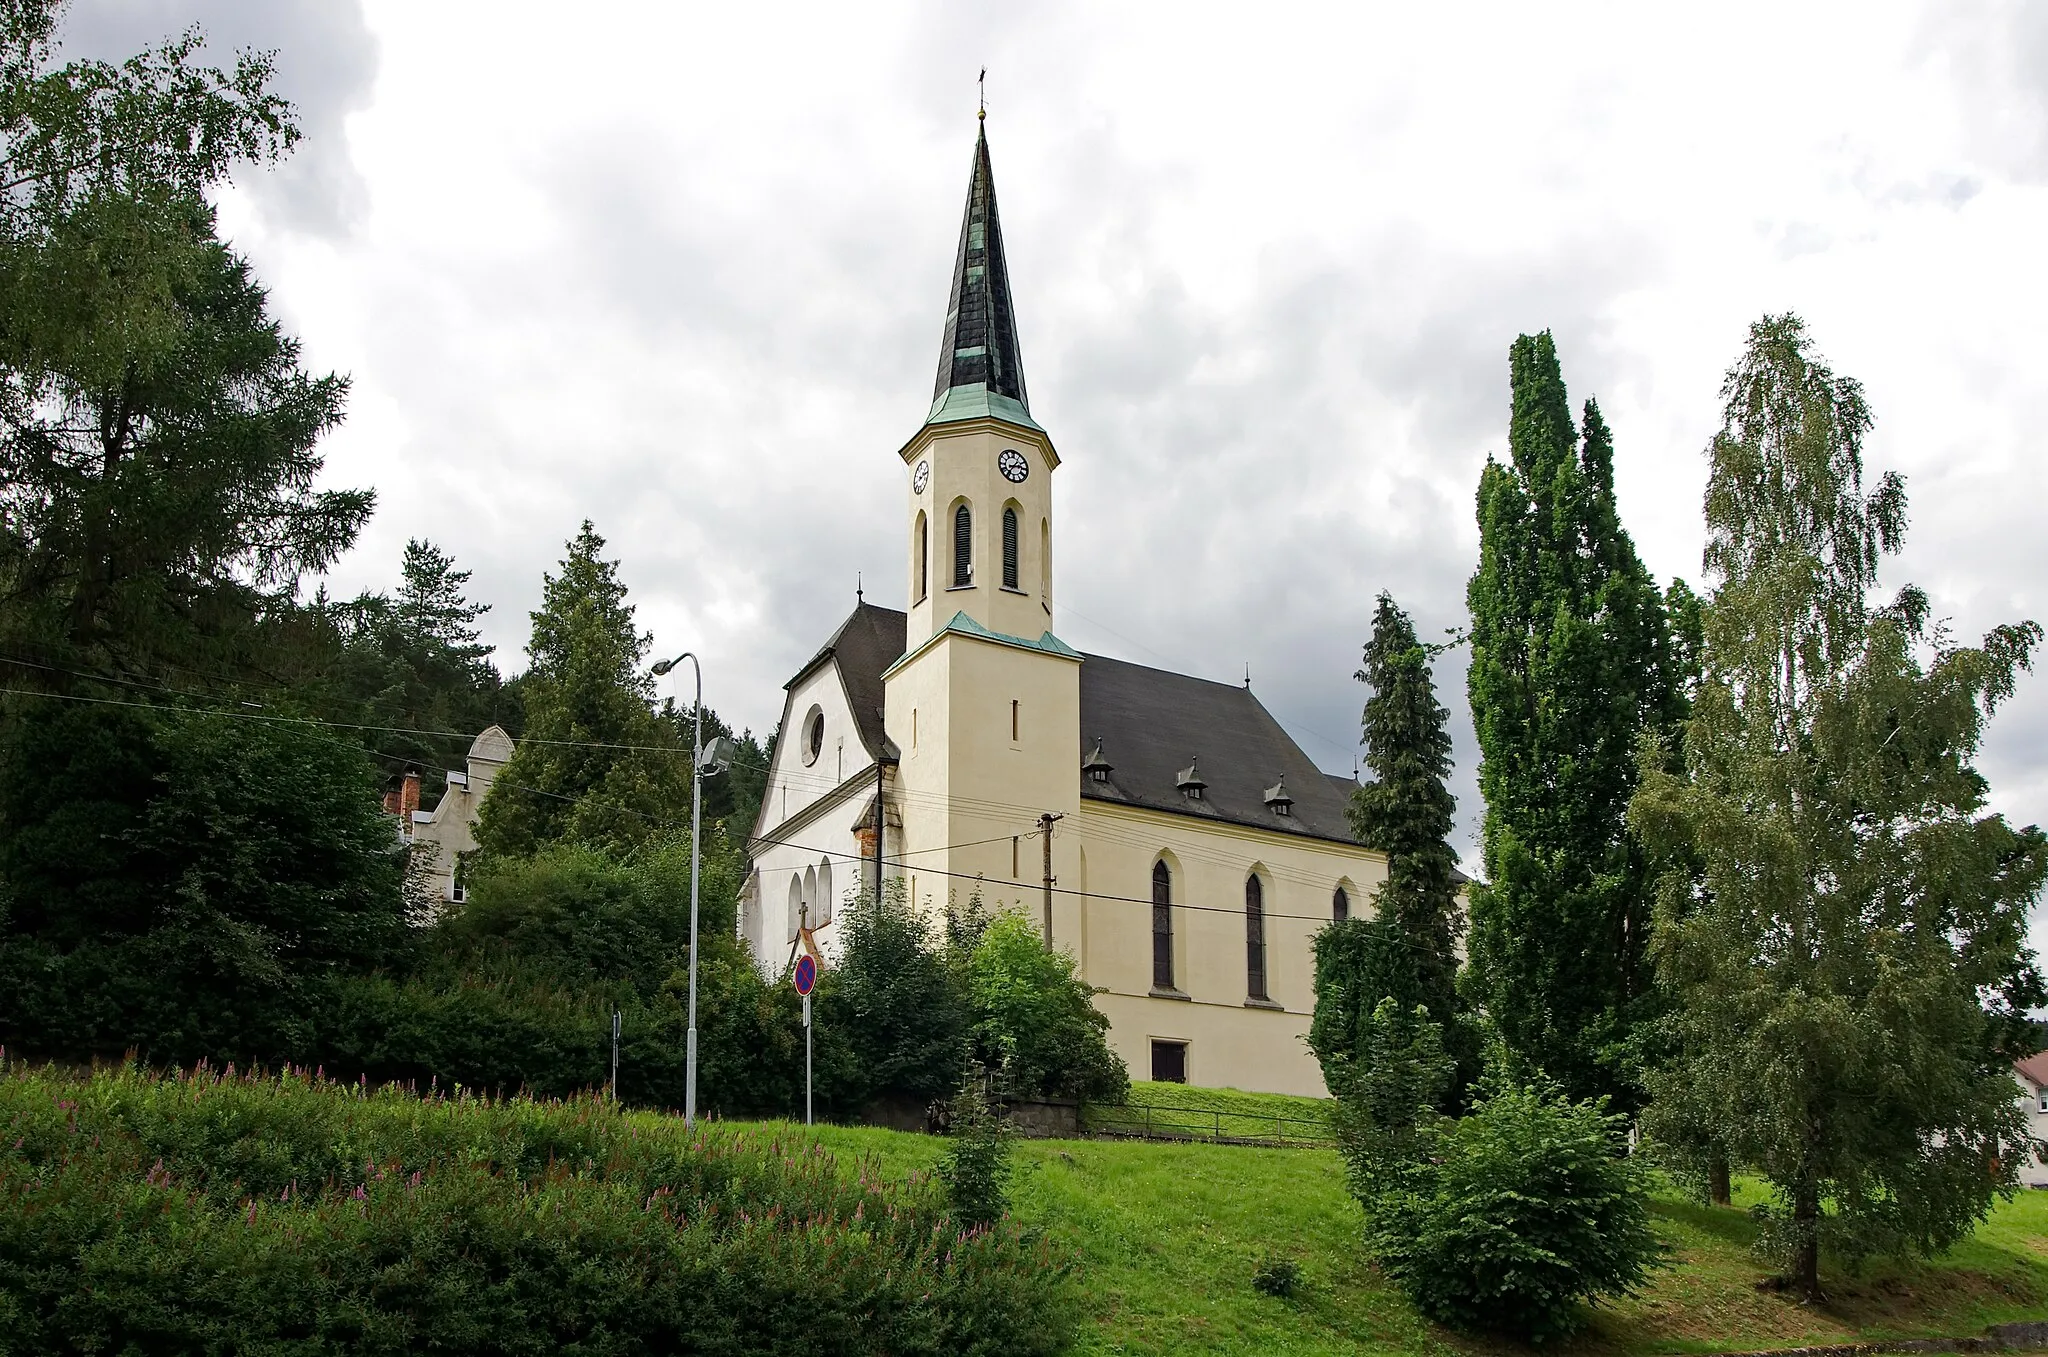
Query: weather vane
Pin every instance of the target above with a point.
(981, 83)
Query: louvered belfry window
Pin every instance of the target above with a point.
(1254, 938)
(1009, 548)
(963, 547)
(1162, 926)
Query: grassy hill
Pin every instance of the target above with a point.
(1168, 1235)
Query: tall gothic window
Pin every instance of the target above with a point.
(1162, 926)
(1009, 547)
(963, 547)
(1254, 937)
(924, 554)
(1340, 904)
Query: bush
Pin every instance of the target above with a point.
(1514, 1215)
(1278, 1277)
(976, 1169)
(1036, 1021)
(184, 884)
(892, 999)
(223, 1213)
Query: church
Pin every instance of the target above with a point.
(1164, 830)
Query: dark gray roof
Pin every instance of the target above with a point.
(979, 350)
(867, 642)
(1152, 724)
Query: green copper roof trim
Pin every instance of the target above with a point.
(963, 625)
(978, 402)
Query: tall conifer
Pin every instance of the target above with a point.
(1572, 662)
(1406, 952)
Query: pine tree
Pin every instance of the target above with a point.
(1572, 662)
(596, 764)
(1844, 929)
(1407, 950)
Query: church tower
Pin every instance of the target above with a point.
(984, 705)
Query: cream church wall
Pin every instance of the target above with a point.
(1231, 1043)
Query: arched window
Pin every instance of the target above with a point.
(924, 554)
(823, 911)
(796, 904)
(1162, 926)
(963, 547)
(1340, 904)
(1254, 937)
(1045, 561)
(1009, 547)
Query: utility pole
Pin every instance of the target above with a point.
(1045, 823)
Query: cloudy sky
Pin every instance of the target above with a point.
(681, 270)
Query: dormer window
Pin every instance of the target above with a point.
(1095, 767)
(1190, 781)
(1277, 799)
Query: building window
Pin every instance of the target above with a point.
(814, 735)
(924, 556)
(963, 547)
(1254, 937)
(1045, 562)
(1013, 721)
(1340, 904)
(1162, 926)
(1170, 1062)
(1009, 547)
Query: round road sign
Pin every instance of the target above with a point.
(806, 973)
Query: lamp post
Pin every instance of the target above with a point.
(699, 765)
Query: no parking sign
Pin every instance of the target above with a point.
(806, 974)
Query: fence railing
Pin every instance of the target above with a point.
(1150, 1121)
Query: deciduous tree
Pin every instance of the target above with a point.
(1844, 936)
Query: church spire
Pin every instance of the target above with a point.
(981, 371)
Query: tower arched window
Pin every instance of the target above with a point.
(1340, 904)
(963, 547)
(1009, 547)
(1162, 926)
(924, 555)
(1254, 937)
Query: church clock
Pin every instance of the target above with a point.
(1013, 466)
(919, 477)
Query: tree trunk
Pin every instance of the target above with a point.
(1718, 1188)
(1805, 1271)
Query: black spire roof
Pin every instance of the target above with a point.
(981, 370)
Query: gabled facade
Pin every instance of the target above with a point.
(1195, 850)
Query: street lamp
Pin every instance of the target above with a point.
(714, 761)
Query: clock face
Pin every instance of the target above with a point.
(919, 477)
(1012, 465)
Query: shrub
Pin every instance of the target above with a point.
(1036, 1020)
(1514, 1215)
(893, 1000)
(976, 1169)
(222, 1213)
(1279, 1277)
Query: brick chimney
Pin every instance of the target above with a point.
(408, 801)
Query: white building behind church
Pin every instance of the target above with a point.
(1196, 849)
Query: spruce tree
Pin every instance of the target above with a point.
(1843, 930)
(1406, 952)
(596, 765)
(1572, 663)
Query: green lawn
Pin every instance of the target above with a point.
(1166, 1236)
(1213, 1113)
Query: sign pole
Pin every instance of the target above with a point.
(805, 978)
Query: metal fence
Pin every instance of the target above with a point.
(1150, 1121)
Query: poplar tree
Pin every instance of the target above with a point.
(596, 765)
(1844, 935)
(1572, 662)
